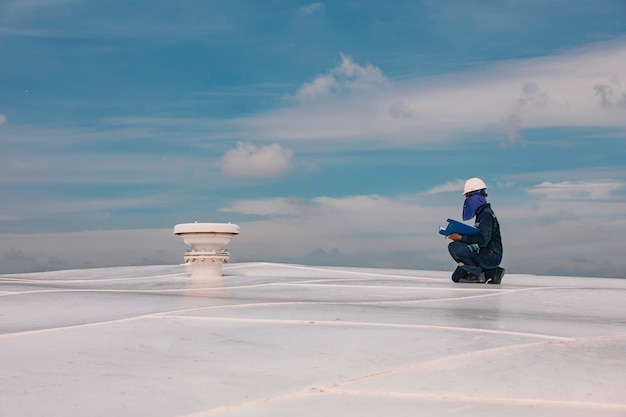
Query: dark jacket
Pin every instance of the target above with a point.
(489, 239)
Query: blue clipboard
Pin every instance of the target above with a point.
(458, 227)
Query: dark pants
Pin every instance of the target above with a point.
(471, 263)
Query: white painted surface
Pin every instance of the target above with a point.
(228, 228)
(288, 340)
(206, 236)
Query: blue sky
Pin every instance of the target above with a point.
(335, 133)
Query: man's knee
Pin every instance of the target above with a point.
(457, 249)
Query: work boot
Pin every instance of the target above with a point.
(497, 277)
(459, 274)
(474, 279)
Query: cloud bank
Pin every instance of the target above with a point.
(554, 228)
(580, 88)
(542, 232)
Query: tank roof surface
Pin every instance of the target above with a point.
(294, 340)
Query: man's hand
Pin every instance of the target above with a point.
(455, 236)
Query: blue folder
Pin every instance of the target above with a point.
(458, 227)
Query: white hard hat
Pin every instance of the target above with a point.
(474, 184)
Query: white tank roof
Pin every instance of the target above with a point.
(206, 228)
(295, 340)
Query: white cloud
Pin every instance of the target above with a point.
(575, 89)
(447, 187)
(251, 161)
(3, 119)
(568, 190)
(357, 76)
(347, 76)
(353, 224)
(319, 87)
(312, 8)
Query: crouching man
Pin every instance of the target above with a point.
(479, 256)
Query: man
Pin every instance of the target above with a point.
(478, 256)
